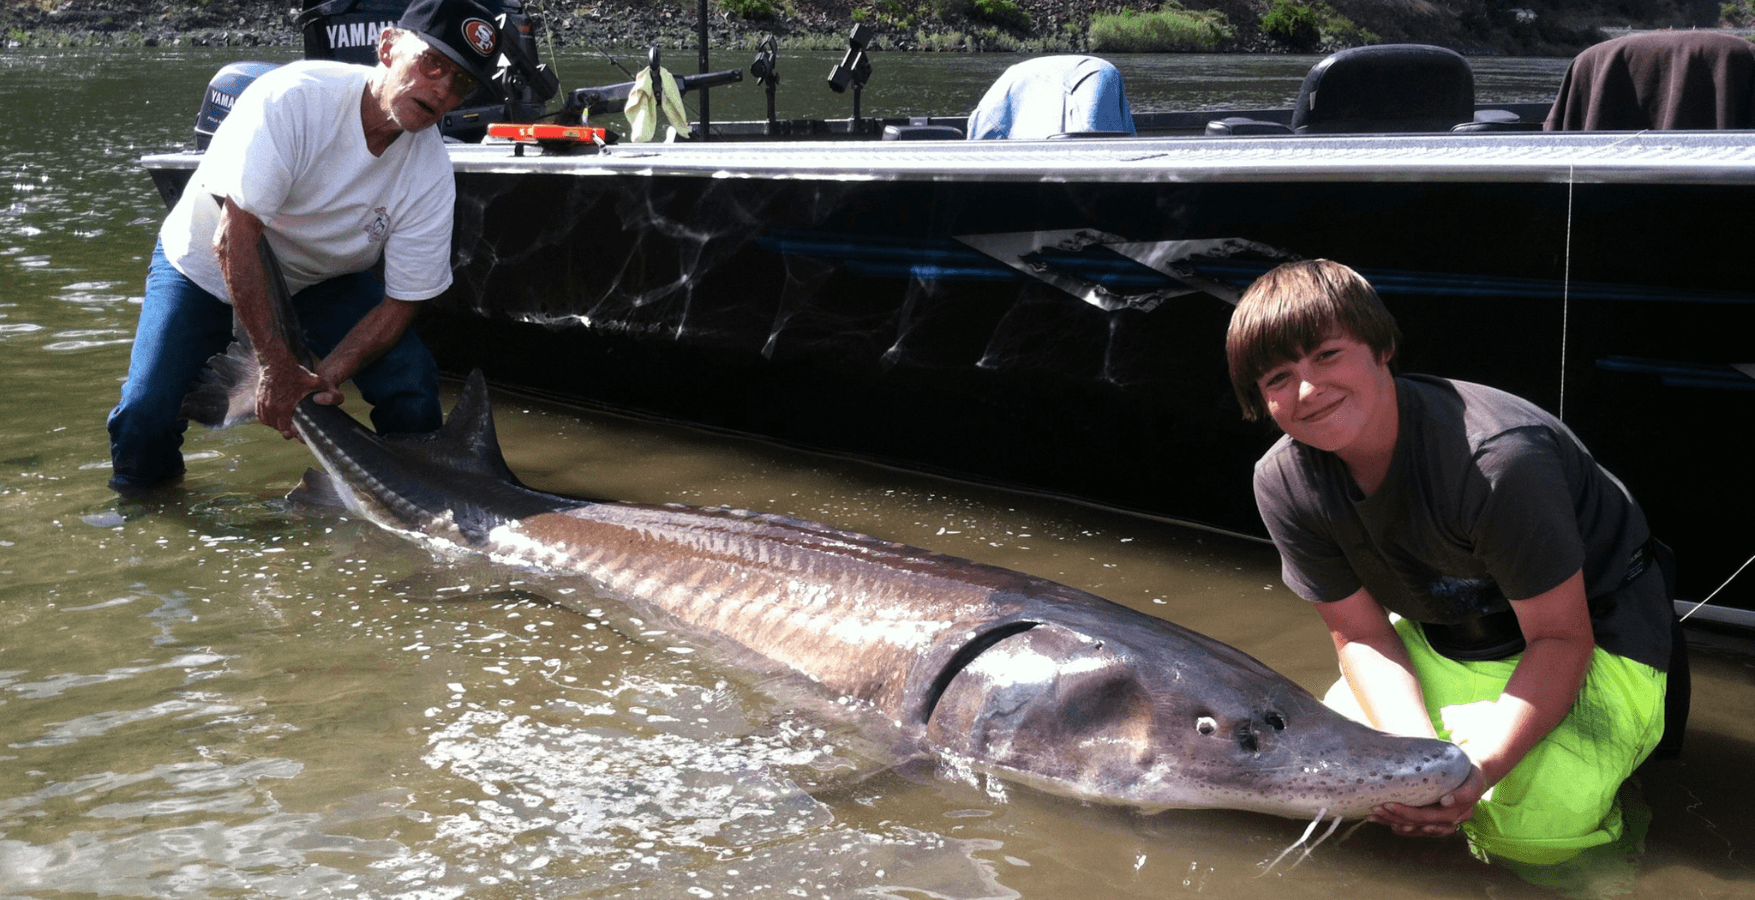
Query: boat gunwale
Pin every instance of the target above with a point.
(1662, 157)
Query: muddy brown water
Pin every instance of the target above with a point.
(228, 696)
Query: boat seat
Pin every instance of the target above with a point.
(1386, 88)
(1053, 95)
(1485, 120)
(1382, 89)
(1658, 80)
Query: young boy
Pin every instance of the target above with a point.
(1531, 623)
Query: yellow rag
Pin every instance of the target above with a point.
(642, 111)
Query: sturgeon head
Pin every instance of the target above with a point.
(1117, 706)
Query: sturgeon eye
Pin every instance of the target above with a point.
(1206, 725)
(1275, 721)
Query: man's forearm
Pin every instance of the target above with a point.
(370, 338)
(285, 381)
(247, 282)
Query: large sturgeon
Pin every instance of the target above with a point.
(1030, 679)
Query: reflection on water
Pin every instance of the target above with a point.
(227, 695)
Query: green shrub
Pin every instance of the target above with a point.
(1340, 31)
(892, 14)
(1293, 24)
(940, 40)
(751, 10)
(1169, 29)
(1004, 13)
(1306, 25)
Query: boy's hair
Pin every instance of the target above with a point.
(1293, 308)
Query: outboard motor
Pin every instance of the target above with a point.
(342, 30)
(348, 30)
(222, 92)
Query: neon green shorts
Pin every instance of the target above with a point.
(1560, 799)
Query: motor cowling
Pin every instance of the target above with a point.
(348, 31)
(222, 92)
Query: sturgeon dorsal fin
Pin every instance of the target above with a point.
(469, 430)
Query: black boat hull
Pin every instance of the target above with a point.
(1061, 330)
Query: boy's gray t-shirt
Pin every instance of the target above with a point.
(1488, 499)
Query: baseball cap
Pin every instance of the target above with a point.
(460, 29)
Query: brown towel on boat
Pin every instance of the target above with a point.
(1663, 80)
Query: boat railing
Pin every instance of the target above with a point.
(1177, 123)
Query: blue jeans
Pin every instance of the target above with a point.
(182, 326)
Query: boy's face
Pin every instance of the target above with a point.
(1337, 396)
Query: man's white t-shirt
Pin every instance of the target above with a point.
(292, 152)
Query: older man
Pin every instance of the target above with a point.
(341, 166)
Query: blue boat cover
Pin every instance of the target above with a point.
(1053, 95)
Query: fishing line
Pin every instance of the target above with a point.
(1566, 287)
(1565, 314)
(548, 35)
(585, 38)
(687, 105)
(1695, 607)
(1566, 271)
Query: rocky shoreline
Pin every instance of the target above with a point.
(804, 24)
(1476, 27)
(1471, 26)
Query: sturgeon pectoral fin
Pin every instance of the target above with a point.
(317, 489)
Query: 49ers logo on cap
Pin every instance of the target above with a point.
(480, 36)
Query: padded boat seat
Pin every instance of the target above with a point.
(1381, 89)
(1053, 95)
(1659, 80)
(1386, 88)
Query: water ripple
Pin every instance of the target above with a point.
(264, 857)
(56, 685)
(96, 724)
(71, 346)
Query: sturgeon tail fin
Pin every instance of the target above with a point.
(225, 393)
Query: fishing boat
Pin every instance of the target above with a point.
(1047, 312)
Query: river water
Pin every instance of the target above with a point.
(227, 696)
